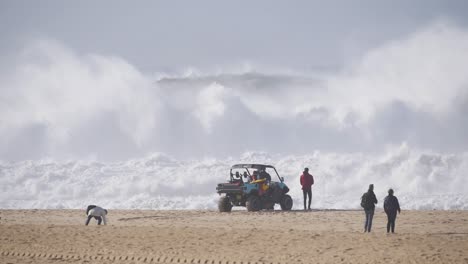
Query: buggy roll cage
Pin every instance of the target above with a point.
(253, 166)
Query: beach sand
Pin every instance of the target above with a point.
(148, 236)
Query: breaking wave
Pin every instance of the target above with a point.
(55, 102)
(72, 124)
(422, 180)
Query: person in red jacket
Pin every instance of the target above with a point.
(307, 181)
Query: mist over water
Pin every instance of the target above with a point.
(80, 128)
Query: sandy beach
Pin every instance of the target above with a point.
(147, 236)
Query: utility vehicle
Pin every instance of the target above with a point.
(251, 185)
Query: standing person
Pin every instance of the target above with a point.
(97, 212)
(368, 202)
(307, 181)
(391, 207)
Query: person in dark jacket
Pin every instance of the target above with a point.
(369, 201)
(264, 175)
(391, 207)
(307, 181)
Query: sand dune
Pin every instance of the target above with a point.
(136, 236)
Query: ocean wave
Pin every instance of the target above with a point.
(422, 180)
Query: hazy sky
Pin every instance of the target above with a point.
(169, 35)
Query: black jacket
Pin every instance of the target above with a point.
(391, 204)
(372, 200)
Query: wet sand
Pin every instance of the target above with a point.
(146, 236)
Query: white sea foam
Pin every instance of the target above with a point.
(421, 180)
(56, 102)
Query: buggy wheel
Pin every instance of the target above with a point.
(253, 204)
(286, 203)
(224, 204)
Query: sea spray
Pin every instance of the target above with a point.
(422, 180)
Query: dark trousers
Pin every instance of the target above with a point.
(307, 193)
(391, 216)
(98, 218)
(369, 217)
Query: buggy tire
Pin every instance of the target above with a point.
(253, 204)
(224, 204)
(286, 203)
